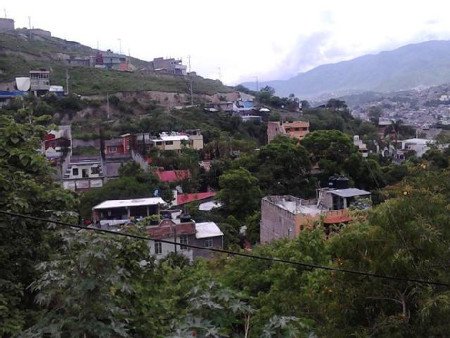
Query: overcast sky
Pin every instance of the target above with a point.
(239, 40)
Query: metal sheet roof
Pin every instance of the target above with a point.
(350, 192)
(129, 203)
(207, 229)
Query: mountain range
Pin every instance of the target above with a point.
(416, 65)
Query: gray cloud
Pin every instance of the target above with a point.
(308, 52)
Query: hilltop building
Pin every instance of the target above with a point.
(295, 129)
(6, 25)
(168, 66)
(39, 81)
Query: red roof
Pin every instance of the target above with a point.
(166, 227)
(187, 198)
(173, 175)
(335, 219)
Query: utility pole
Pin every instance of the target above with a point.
(107, 106)
(4, 9)
(257, 83)
(189, 63)
(190, 89)
(29, 25)
(67, 81)
(220, 73)
(120, 45)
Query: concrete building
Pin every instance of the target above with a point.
(112, 213)
(171, 141)
(362, 147)
(295, 129)
(6, 25)
(83, 173)
(39, 81)
(168, 66)
(419, 145)
(184, 231)
(287, 216)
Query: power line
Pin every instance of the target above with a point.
(234, 253)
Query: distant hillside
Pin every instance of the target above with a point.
(19, 54)
(411, 66)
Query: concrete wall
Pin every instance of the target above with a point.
(168, 248)
(276, 222)
(217, 244)
(6, 25)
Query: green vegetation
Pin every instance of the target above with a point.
(22, 55)
(81, 283)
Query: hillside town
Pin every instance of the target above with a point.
(139, 199)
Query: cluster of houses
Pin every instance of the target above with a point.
(162, 226)
(83, 172)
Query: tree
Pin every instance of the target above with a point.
(282, 167)
(329, 148)
(239, 192)
(403, 237)
(84, 287)
(26, 187)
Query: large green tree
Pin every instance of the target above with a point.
(26, 187)
(239, 192)
(404, 237)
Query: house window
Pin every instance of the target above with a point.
(183, 240)
(95, 170)
(208, 243)
(158, 248)
(169, 143)
(112, 149)
(75, 171)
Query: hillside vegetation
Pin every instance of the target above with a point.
(422, 64)
(19, 55)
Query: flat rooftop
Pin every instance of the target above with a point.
(296, 205)
(110, 204)
(350, 192)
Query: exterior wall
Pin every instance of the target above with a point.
(81, 167)
(196, 142)
(176, 145)
(276, 222)
(304, 222)
(168, 248)
(82, 184)
(273, 129)
(39, 80)
(6, 25)
(217, 244)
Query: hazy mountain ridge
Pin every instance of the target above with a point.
(408, 67)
